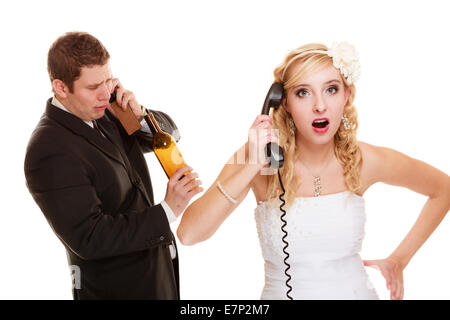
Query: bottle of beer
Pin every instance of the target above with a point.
(165, 148)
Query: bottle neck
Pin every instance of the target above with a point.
(152, 124)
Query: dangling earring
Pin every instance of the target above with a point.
(291, 126)
(346, 122)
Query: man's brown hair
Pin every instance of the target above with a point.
(72, 51)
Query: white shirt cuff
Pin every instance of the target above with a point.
(144, 126)
(169, 213)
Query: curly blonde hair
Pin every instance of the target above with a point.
(299, 64)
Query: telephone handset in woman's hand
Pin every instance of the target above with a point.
(273, 99)
(275, 154)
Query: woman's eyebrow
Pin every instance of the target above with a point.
(328, 82)
(334, 80)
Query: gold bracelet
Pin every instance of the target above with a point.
(225, 193)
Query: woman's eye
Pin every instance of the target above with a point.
(302, 93)
(332, 90)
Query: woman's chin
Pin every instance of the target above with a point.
(318, 138)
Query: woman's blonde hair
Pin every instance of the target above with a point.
(299, 64)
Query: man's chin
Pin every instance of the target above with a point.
(98, 113)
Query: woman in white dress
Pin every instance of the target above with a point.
(325, 174)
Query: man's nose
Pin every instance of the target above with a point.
(104, 93)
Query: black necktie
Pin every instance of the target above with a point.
(94, 122)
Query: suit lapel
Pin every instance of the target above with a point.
(80, 128)
(113, 136)
(112, 133)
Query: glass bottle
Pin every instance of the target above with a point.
(165, 148)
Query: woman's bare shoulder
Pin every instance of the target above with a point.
(371, 156)
(376, 156)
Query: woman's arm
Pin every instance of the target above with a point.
(204, 216)
(394, 168)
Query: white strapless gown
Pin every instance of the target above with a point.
(325, 235)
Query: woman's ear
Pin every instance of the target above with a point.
(60, 88)
(348, 91)
(284, 104)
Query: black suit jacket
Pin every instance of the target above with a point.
(97, 196)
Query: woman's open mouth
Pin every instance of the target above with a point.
(321, 125)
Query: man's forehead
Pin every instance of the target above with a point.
(95, 74)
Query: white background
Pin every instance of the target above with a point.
(209, 65)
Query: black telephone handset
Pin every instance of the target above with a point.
(273, 100)
(275, 155)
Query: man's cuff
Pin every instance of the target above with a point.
(169, 213)
(144, 126)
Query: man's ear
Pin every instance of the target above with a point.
(60, 88)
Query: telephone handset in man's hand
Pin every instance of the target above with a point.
(273, 99)
(126, 118)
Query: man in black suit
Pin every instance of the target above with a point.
(91, 181)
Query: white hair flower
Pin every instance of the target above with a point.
(345, 58)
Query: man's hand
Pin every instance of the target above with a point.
(125, 97)
(181, 188)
